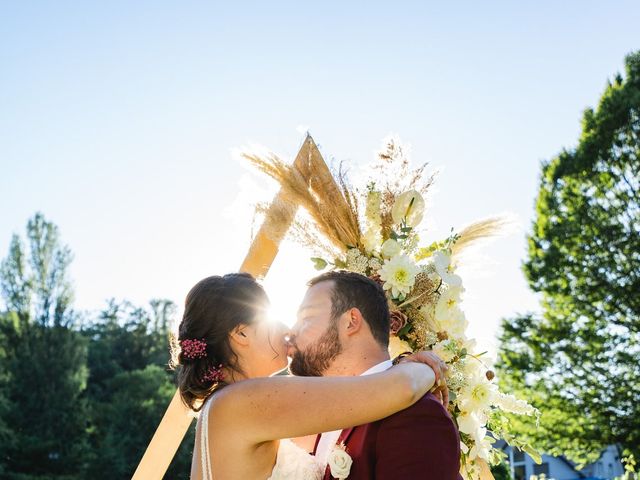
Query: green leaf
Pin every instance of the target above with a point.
(319, 263)
(533, 453)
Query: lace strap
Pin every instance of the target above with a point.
(205, 458)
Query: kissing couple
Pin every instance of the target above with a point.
(381, 420)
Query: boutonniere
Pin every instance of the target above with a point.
(340, 462)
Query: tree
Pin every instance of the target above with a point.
(45, 358)
(129, 387)
(37, 287)
(579, 359)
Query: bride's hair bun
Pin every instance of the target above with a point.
(214, 307)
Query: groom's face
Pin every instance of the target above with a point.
(315, 340)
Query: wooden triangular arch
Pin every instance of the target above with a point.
(258, 261)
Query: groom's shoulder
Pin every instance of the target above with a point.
(427, 407)
(425, 420)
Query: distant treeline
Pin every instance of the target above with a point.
(80, 394)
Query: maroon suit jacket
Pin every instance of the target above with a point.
(420, 443)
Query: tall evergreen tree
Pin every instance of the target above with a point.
(578, 361)
(45, 358)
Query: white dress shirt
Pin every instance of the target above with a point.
(329, 439)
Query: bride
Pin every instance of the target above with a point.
(226, 351)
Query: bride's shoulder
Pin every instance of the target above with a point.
(236, 395)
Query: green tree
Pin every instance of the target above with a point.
(45, 359)
(130, 387)
(578, 360)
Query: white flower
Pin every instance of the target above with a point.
(339, 462)
(448, 315)
(469, 423)
(371, 239)
(482, 445)
(449, 299)
(511, 404)
(452, 321)
(390, 248)
(356, 262)
(478, 395)
(372, 211)
(409, 206)
(442, 264)
(375, 265)
(399, 275)
(398, 346)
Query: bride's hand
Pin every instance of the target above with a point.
(438, 366)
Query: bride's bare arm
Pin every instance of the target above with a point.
(283, 407)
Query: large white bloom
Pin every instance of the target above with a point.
(399, 275)
(469, 423)
(442, 264)
(452, 321)
(409, 206)
(478, 394)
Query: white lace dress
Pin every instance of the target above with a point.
(293, 463)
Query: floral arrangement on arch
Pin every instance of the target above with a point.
(374, 231)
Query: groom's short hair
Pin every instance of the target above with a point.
(352, 290)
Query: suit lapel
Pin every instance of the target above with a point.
(344, 436)
(315, 447)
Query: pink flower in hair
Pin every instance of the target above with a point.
(214, 374)
(193, 348)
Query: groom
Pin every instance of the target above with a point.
(343, 329)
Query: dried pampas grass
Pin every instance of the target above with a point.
(482, 230)
(308, 183)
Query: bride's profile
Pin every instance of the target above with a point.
(226, 351)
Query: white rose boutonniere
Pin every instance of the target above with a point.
(339, 462)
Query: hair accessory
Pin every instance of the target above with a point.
(213, 374)
(193, 348)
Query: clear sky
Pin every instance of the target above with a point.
(117, 121)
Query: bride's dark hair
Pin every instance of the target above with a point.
(213, 308)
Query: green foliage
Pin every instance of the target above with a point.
(578, 360)
(77, 399)
(129, 388)
(34, 283)
(501, 471)
(44, 357)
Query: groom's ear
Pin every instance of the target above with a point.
(239, 335)
(355, 320)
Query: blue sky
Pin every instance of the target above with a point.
(117, 120)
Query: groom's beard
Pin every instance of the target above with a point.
(317, 358)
